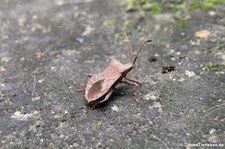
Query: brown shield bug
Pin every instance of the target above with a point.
(100, 86)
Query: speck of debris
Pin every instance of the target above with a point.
(223, 58)
(80, 40)
(171, 51)
(152, 58)
(59, 3)
(98, 125)
(89, 61)
(75, 145)
(181, 57)
(150, 81)
(57, 116)
(178, 53)
(166, 69)
(142, 129)
(40, 81)
(189, 73)
(212, 137)
(173, 59)
(115, 108)
(22, 59)
(5, 59)
(181, 79)
(87, 30)
(19, 116)
(219, 73)
(66, 112)
(150, 122)
(204, 34)
(23, 117)
(33, 129)
(40, 54)
(36, 98)
(152, 96)
(212, 13)
(212, 131)
(2, 69)
(2, 85)
(70, 52)
(158, 105)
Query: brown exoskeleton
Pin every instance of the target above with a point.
(100, 86)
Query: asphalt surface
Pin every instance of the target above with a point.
(48, 47)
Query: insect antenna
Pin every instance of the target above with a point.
(141, 47)
(129, 45)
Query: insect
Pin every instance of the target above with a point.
(100, 86)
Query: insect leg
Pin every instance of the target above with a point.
(129, 82)
(84, 83)
(106, 98)
(134, 83)
(136, 94)
(133, 80)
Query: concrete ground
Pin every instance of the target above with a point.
(48, 47)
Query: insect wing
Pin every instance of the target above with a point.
(100, 84)
(96, 87)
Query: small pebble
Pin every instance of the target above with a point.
(189, 73)
(80, 40)
(2, 69)
(115, 108)
(20, 116)
(5, 59)
(152, 96)
(212, 13)
(40, 81)
(204, 34)
(158, 105)
(36, 98)
(212, 137)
